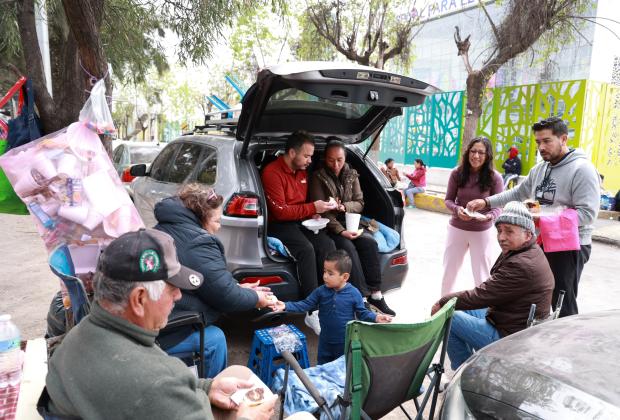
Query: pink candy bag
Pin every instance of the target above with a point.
(560, 232)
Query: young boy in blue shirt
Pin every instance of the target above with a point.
(338, 303)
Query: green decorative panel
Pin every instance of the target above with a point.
(592, 119)
(445, 138)
(608, 160)
(393, 140)
(485, 122)
(563, 99)
(419, 120)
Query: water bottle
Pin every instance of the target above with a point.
(10, 354)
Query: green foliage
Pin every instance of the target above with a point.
(310, 45)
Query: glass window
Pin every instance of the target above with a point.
(288, 99)
(118, 153)
(184, 163)
(207, 173)
(143, 154)
(159, 168)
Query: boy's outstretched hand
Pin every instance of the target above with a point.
(278, 306)
(383, 319)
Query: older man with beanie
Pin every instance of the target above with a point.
(108, 366)
(500, 306)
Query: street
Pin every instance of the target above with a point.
(27, 285)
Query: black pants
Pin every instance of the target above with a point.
(567, 267)
(364, 253)
(308, 248)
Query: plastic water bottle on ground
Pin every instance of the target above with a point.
(10, 367)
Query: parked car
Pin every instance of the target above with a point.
(563, 369)
(330, 100)
(128, 153)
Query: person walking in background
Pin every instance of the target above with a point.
(566, 177)
(512, 165)
(391, 172)
(473, 178)
(417, 182)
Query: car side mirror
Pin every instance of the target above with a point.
(138, 170)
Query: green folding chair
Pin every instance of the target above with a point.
(386, 365)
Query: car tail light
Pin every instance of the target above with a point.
(242, 205)
(402, 260)
(264, 280)
(127, 177)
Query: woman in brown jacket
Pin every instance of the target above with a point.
(336, 179)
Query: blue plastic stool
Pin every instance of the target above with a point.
(264, 358)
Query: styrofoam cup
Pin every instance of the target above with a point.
(67, 164)
(45, 166)
(25, 184)
(93, 220)
(352, 221)
(77, 214)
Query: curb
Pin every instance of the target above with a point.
(606, 240)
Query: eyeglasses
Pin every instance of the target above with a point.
(477, 152)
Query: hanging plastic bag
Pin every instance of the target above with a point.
(26, 126)
(96, 114)
(72, 191)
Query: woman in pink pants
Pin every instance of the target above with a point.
(473, 178)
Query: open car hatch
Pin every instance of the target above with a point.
(326, 99)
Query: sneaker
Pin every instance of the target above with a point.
(312, 321)
(381, 306)
(410, 206)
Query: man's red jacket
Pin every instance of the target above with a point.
(286, 191)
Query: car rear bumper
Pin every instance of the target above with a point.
(394, 267)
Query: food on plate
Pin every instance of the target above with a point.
(533, 205)
(255, 396)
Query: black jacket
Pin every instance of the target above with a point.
(203, 252)
(512, 166)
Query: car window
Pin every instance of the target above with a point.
(207, 173)
(184, 163)
(118, 152)
(143, 154)
(288, 99)
(159, 168)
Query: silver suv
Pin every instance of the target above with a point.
(329, 100)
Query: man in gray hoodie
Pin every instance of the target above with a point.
(564, 178)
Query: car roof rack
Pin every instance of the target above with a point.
(223, 121)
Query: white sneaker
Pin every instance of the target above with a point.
(312, 321)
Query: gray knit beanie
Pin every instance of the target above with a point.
(516, 213)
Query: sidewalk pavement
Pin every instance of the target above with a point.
(607, 229)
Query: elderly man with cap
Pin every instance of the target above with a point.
(108, 366)
(500, 306)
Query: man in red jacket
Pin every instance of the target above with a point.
(285, 182)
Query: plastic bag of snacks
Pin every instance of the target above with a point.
(72, 190)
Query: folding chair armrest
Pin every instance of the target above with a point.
(290, 359)
(180, 318)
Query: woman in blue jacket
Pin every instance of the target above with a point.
(192, 218)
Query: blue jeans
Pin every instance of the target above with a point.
(411, 191)
(215, 349)
(329, 352)
(470, 331)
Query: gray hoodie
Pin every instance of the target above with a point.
(572, 182)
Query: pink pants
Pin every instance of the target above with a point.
(483, 250)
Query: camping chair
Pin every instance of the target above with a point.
(182, 318)
(531, 320)
(385, 367)
(61, 264)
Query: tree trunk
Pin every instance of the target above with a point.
(476, 84)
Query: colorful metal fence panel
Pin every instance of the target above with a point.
(433, 131)
(430, 132)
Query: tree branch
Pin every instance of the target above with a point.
(463, 48)
(486, 12)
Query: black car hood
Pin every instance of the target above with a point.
(566, 368)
